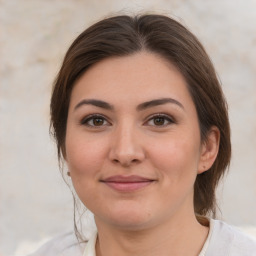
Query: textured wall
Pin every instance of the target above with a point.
(34, 201)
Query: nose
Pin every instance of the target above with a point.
(126, 148)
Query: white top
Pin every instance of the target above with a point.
(222, 240)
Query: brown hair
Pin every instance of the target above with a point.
(125, 35)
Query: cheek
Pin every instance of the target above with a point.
(176, 158)
(84, 156)
(85, 160)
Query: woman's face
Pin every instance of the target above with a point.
(133, 141)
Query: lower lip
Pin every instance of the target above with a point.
(128, 186)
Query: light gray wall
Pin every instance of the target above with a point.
(34, 35)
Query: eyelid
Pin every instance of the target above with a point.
(84, 121)
(87, 118)
(169, 118)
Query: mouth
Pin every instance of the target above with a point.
(127, 183)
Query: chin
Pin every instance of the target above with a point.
(128, 219)
(131, 224)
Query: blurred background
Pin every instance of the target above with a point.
(35, 203)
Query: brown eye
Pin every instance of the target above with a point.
(159, 121)
(95, 121)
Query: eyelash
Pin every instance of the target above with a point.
(167, 118)
(85, 121)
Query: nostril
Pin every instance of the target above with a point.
(126, 162)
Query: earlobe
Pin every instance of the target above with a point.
(209, 150)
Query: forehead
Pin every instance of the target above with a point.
(138, 77)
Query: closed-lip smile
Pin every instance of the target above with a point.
(130, 183)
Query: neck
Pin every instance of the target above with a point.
(179, 236)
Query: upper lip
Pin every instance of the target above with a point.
(122, 178)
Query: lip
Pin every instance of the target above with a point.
(127, 183)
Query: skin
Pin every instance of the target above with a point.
(157, 219)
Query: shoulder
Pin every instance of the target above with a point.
(228, 240)
(63, 245)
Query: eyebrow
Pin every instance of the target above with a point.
(97, 103)
(157, 102)
(140, 107)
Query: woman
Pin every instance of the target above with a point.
(141, 121)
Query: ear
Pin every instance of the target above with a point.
(209, 150)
